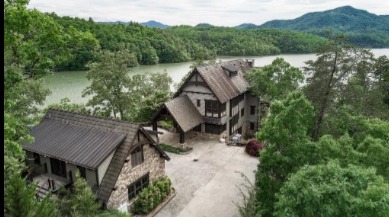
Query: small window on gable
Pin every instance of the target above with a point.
(233, 73)
(137, 156)
(198, 103)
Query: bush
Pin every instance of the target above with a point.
(152, 196)
(175, 150)
(253, 147)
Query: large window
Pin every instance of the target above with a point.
(135, 188)
(234, 104)
(58, 167)
(137, 156)
(214, 129)
(234, 123)
(214, 109)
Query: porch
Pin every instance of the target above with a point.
(49, 183)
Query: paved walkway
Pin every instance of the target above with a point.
(207, 187)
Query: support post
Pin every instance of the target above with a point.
(155, 127)
(182, 136)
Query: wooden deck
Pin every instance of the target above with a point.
(49, 183)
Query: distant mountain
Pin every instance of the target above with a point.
(113, 23)
(360, 27)
(344, 18)
(246, 26)
(204, 25)
(154, 24)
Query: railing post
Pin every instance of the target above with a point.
(48, 180)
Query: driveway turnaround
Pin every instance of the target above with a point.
(206, 181)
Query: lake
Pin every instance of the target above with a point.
(70, 84)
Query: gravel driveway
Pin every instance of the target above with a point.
(207, 187)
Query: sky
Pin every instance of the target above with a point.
(193, 12)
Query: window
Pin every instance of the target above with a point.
(135, 188)
(58, 167)
(137, 156)
(252, 110)
(252, 126)
(214, 109)
(198, 103)
(234, 123)
(242, 112)
(82, 171)
(214, 129)
(37, 159)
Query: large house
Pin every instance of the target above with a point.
(116, 158)
(213, 99)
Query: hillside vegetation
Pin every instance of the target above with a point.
(359, 26)
(181, 43)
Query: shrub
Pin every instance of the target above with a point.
(152, 196)
(253, 147)
(175, 150)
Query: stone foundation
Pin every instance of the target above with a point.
(152, 164)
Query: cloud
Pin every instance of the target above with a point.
(192, 12)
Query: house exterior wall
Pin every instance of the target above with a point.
(103, 167)
(194, 96)
(90, 174)
(251, 101)
(152, 164)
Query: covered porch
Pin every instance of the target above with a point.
(184, 114)
(49, 183)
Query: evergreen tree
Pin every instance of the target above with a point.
(20, 200)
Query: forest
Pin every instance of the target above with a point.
(326, 132)
(177, 44)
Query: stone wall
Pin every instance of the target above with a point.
(152, 164)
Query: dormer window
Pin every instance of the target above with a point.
(231, 70)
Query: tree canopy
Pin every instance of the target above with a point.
(332, 190)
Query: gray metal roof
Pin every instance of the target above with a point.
(184, 112)
(222, 85)
(79, 145)
(111, 127)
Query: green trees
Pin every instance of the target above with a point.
(332, 190)
(20, 201)
(286, 128)
(110, 83)
(81, 201)
(274, 81)
(126, 97)
(328, 74)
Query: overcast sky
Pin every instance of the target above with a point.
(192, 12)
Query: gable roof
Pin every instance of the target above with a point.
(109, 127)
(221, 84)
(184, 112)
(79, 145)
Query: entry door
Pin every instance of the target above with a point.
(58, 167)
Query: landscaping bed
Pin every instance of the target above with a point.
(175, 150)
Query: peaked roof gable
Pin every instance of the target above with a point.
(219, 82)
(184, 112)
